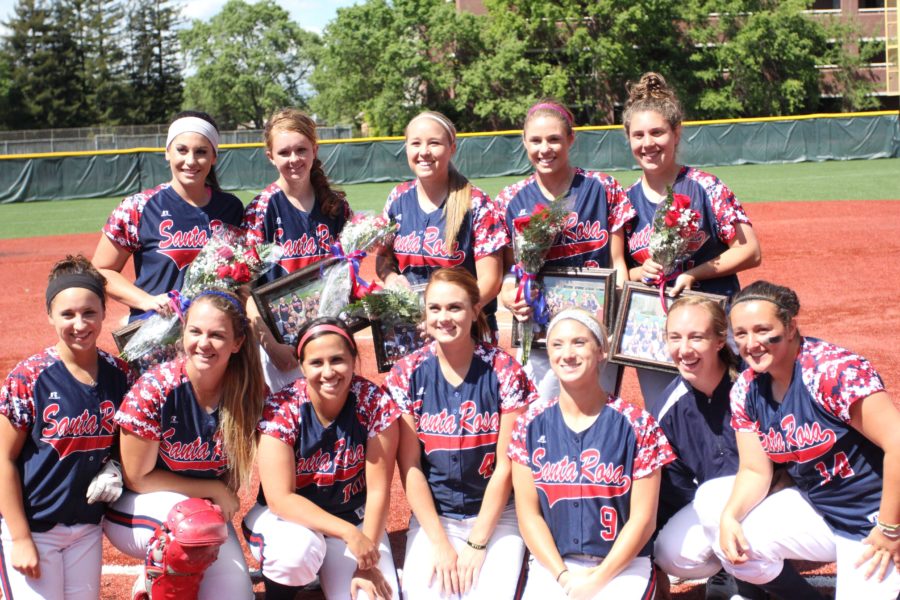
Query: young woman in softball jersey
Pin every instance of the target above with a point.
(725, 244)
(301, 212)
(187, 431)
(444, 220)
(56, 436)
(594, 234)
(822, 411)
(164, 228)
(586, 473)
(459, 396)
(326, 458)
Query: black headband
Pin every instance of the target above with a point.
(74, 280)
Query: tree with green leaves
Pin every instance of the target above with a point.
(248, 61)
(381, 63)
(153, 66)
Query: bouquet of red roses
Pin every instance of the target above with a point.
(674, 224)
(226, 261)
(534, 236)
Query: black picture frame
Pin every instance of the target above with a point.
(394, 339)
(640, 333)
(589, 288)
(277, 302)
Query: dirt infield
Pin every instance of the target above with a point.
(840, 257)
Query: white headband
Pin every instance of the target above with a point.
(438, 120)
(193, 125)
(586, 319)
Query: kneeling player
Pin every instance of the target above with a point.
(586, 473)
(188, 432)
(326, 459)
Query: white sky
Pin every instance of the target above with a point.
(309, 14)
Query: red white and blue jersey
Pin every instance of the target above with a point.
(70, 429)
(458, 426)
(161, 407)
(719, 211)
(165, 233)
(599, 208)
(305, 237)
(836, 466)
(584, 479)
(419, 245)
(330, 461)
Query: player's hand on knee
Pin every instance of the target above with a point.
(444, 569)
(880, 552)
(468, 567)
(25, 558)
(651, 272)
(372, 582)
(364, 549)
(227, 501)
(106, 486)
(732, 541)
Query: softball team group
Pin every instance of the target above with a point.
(524, 482)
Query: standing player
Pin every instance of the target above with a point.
(460, 397)
(300, 212)
(165, 227)
(586, 472)
(725, 243)
(326, 459)
(593, 234)
(188, 432)
(444, 220)
(822, 411)
(56, 432)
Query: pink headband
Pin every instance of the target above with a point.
(555, 108)
(325, 327)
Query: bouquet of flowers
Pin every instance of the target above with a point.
(535, 235)
(342, 282)
(226, 261)
(674, 223)
(395, 303)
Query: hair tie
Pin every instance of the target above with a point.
(324, 328)
(555, 108)
(439, 120)
(74, 280)
(193, 125)
(234, 301)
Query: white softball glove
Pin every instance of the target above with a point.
(106, 486)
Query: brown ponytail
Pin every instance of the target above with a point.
(652, 93)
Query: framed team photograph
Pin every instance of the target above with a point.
(287, 303)
(122, 335)
(592, 289)
(640, 333)
(396, 318)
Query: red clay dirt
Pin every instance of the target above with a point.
(840, 257)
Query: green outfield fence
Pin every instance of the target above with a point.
(71, 175)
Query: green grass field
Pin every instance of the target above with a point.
(837, 180)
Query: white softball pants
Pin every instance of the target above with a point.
(292, 554)
(634, 582)
(70, 561)
(499, 572)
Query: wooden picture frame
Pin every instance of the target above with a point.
(286, 303)
(640, 334)
(573, 287)
(123, 334)
(394, 339)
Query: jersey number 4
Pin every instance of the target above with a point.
(487, 465)
(841, 468)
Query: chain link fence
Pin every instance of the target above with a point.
(39, 141)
